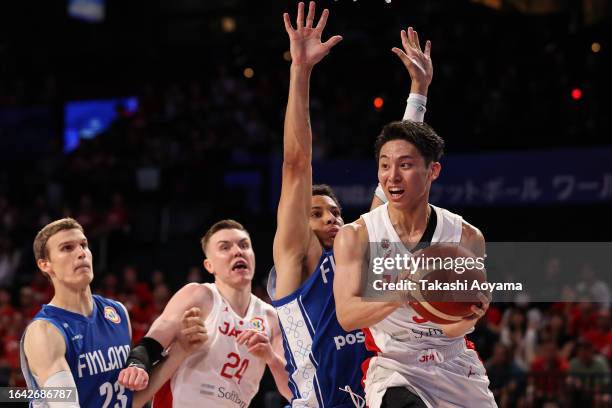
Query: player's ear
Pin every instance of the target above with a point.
(44, 265)
(208, 265)
(436, 167)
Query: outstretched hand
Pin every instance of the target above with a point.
(417, 62)
(305, 40)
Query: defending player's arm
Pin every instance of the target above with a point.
(271, 350)
(472, 239)
(420, 67)
(192, 336)
(293, 235)
(163, 332)
(350, 250)
(45, 350)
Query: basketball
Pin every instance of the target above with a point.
(448, 283)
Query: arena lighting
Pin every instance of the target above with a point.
(248, 73)
(228, 24)
(596, 47)
(576, 94)
(378, 102)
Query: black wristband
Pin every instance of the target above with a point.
(145, 354)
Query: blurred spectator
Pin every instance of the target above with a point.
(519, 336)
(588, 374)
(596, 289)
(601, 334)
(27, 302)
(508, 380)
(548, 372)
(10, 259)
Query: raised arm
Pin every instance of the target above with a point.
(293, 234)
(45, 351)
(420, 68)
(417, 62)
(350, 249)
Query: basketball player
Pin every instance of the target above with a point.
(78, 340)
(417, 363)
(323, 360)
(243, 332)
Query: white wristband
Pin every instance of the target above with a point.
(62, 379)
(415, 107)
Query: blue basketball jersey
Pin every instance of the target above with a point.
(323, 360)
(97, 348)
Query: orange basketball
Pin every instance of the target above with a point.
(445, 284)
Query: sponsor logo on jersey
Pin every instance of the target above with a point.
(257, 323)
(350, 338)
(111, 314)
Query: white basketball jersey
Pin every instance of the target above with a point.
(223, 373)
(404, 331)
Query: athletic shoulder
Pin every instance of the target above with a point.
(472, 238)
(351, 237)
(200, 293)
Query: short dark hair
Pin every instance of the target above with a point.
(421, 135)
(325, 190)
(218, 226)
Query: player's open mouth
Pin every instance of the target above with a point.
(240, 266)
(395, 192)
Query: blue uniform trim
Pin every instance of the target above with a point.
(308, 321)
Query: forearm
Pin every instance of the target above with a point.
(281, 377)
(297, 132)
(161, 373)
(355, 313)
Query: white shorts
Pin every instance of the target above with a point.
(458, 382)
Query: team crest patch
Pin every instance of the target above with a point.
(111, 314)
(257, 323)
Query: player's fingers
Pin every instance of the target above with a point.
(401, 54)
(257, 338)
(311, 14)
(405, 40)
(288, 26)
(142, 380)
(121, 376)
(483, 298)
(244, 336)
(299, 23)
(428, 48)
(417, 41)
(411, 37)
(130, 377)
(477, 311)
(192, 322)
(332, 41)
(322, 20)
(257, 347)
(199, 337)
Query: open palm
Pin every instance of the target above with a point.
(306, 47)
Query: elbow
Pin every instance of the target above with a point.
(346, 322)
(295, 163)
